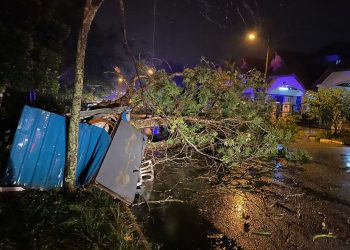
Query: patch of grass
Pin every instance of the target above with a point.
(54, 220)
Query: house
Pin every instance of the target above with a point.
(288, 92)
(335, 78)
(282, 84)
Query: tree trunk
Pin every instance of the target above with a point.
(90, 10)
(336, 121)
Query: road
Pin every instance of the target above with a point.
(297, 206)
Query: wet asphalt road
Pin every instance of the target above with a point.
(280, 210)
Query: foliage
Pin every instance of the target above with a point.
(53, 220)
(346, 105)
(330, 106)
(288, 125)
(298, 156)
(33, 35)
(211, 115)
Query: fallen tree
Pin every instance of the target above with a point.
(209, 113)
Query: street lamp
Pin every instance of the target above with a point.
(150, 71)
(252, 37)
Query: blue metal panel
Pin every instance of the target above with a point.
(37, 157)
(92, 147)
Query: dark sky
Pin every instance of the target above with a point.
(185, 30)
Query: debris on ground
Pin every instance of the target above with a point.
(261, 233)
(320, 236)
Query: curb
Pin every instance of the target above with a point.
(323, 140)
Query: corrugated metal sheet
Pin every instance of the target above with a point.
(37, 157)
(92, 147)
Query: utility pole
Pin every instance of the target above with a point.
(252, 36)
(267, 58)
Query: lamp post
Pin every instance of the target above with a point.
(252, 37)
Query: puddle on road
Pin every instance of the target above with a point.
(177, 225)
(180, 226)
(346, 160)
(328, 154)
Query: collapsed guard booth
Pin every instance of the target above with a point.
(38, 155)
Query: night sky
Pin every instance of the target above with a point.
(185, 30)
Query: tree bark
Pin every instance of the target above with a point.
(336, 121)
(90, 10)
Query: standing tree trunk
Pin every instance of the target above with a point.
(90, 9)
(336, 122)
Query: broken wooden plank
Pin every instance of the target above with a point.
(150, 122)
(101, 112)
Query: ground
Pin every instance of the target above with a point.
(288, 206)
(294, 206)
(88, 219)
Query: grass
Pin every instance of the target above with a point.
(55, 220)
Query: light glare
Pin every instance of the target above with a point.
(283, 88)
(251, 36)
(150, 71)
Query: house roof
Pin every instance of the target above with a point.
(299, 64)
(311, 68)
(335, 78)
(334, 68)
(282, 63)
(285, 85)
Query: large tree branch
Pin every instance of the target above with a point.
(197, 149)
(165, 121)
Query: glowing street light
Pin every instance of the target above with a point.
(150, 71)
(252, 37)
(120, 79)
